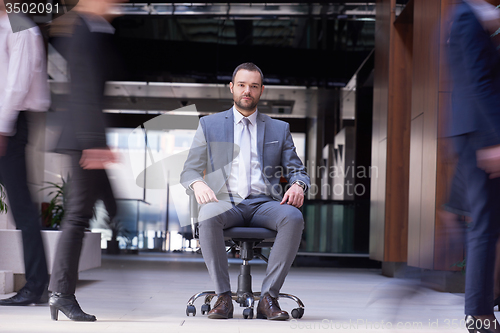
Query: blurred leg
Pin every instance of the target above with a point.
(482, 235)
(83, 189)
(106, 193)
(496, 276)
(13, 176)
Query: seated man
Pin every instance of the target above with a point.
(241, 188)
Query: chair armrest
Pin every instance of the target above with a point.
(193, 212)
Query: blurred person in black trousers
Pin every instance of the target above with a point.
(23, 88)
(84, 139)
(475, 127)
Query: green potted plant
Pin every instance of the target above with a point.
(3, 199)
(53, 211)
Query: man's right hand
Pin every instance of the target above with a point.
(488, 159)
(93, 159)
(203, 193)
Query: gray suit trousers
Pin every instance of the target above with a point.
(255, 211)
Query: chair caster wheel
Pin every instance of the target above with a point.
(191, 309)
(205, 308)
(297, 313)
(248, 313)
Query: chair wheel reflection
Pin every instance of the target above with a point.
(297, 313)
(248, 313)
(191, 309)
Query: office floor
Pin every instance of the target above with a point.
(148, 293)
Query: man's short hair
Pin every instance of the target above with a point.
(249, 66)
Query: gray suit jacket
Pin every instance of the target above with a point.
(213, 151)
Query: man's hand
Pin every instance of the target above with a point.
(93, 159)
(294, 196)
(203, 193)
(488, 159)
(3, 143)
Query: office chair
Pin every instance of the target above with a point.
(245, 240)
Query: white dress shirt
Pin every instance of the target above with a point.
(23, 74)
(257, 181)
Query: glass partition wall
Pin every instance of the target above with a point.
(147, 219)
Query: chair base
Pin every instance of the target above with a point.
(246, 300)
(245, 243)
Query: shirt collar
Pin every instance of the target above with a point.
(238, 116)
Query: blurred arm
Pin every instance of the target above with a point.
(481, 62)
(87, 88)
(25, 58)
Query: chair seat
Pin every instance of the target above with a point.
(249, 232)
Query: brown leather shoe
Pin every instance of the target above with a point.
(269, 308)
(223, 308)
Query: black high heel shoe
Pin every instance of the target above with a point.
(68, 305)
(475, 325)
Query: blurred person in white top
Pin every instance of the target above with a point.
(23, 88)
(23, 65)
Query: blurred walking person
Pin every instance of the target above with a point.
(84, 139)
(23, 88)
(475, 127)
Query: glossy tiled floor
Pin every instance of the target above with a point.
(148, 293)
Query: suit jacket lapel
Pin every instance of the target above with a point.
(261, 129)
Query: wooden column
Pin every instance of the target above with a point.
(424, 134)
(444, 258)
(431, 157)
(412, 98)
(390, 145)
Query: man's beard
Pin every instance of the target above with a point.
(249, 107)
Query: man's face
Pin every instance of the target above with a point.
(246, 89)
(2, 7)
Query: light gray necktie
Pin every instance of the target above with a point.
(245, 153)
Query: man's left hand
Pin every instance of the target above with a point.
(294, 196)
